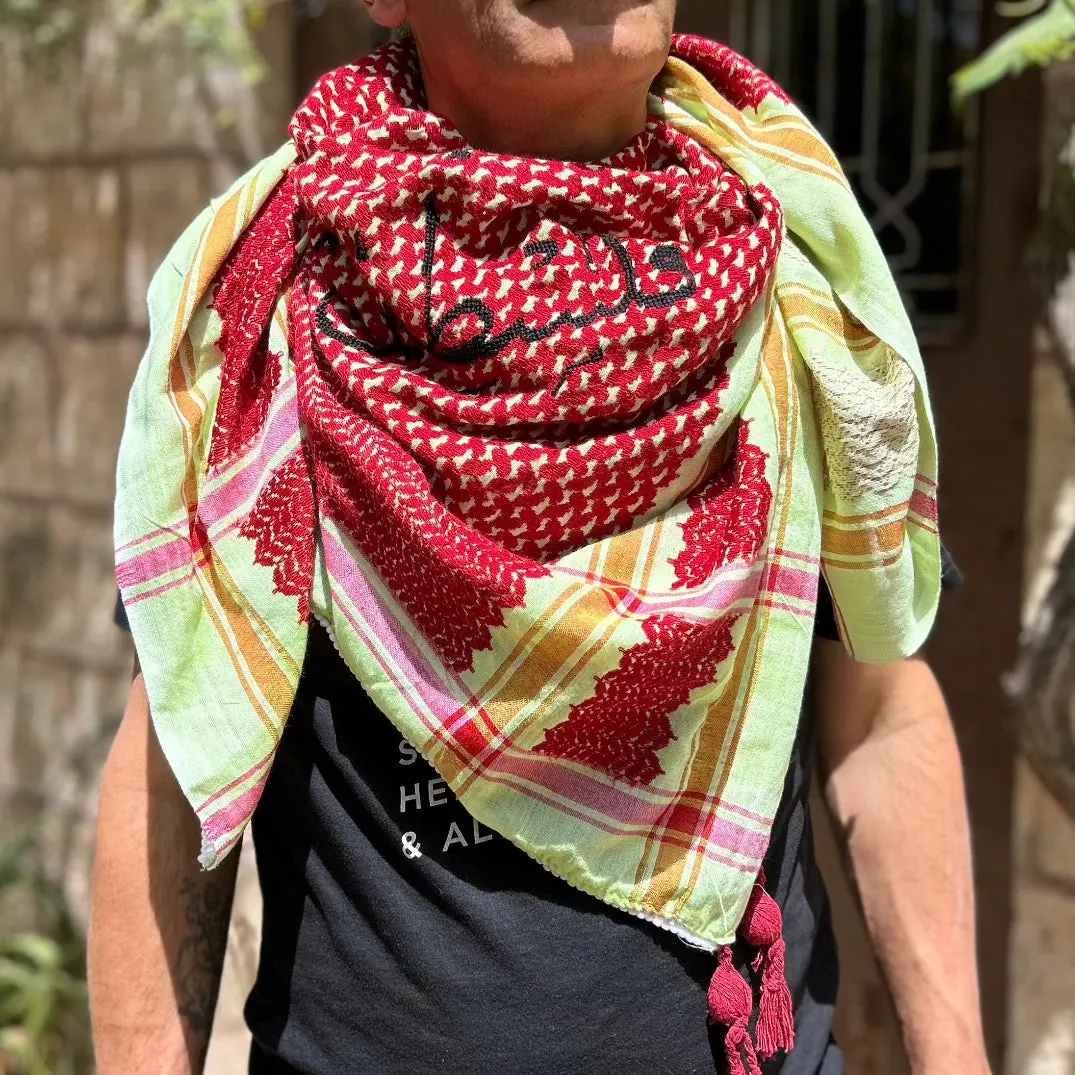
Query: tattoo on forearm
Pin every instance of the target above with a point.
(200, 957)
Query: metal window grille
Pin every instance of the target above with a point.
(873, 74)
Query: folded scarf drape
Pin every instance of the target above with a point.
(556, 452)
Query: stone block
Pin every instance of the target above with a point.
(79, 619)
(1044, 833)
(39, 103)
(26, 558)
(95, 380)
(64, 719)
(9, 679)
(58, 588)
(27, 401)
(46, 707)
(85, 246)
(276, 94)
(1041, 1019)
(61, 261)
(25, 263)
(164, 197)
(142, 97)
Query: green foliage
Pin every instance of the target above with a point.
(44, 1020)
(1046, 36)
(44, 26)
(216, 31)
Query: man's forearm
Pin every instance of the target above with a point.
(158, 926)
(895, 786)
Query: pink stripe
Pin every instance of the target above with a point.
(252, 771)
(244, 485)
(120, 549)
(618, 808)
(164, 588)
(235, 814)
(730, 837)
(760, 819)
(792, 582)
(784, 554)
(707, 850)
(798, 610)
(626, 813)
(158, 561)
(378, 627)
(727, 586)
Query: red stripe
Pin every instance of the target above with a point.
(924, 505)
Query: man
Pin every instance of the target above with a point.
(541, 373)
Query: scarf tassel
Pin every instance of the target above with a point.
(731, 999)
(730, 1005)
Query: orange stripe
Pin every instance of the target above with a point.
(865, 565)
(871, 541)
(214, 247)
(832, 319)
(252, 653)
(900, 509)
(621, 559)
(218, 241)
(614, 623)
(547, 659)
(778, 362)
(819, 160)
(591, 603)
(786, 131)
(721, 148)
(667, 871)
(863, 347)
(669, 863)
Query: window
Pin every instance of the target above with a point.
(873, 74)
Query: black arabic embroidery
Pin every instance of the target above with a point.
(485, 344)
(573, 367)
(488, 344)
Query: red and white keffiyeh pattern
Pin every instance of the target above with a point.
(499, 359)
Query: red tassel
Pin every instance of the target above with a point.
(762, 928)
(730, 1005)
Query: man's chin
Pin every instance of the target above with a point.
(591, 14)
(603, 35)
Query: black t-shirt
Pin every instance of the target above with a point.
(401, 937)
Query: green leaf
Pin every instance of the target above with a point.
(33, 949)
(1040, 40)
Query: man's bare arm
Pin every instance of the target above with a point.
(894, 783)
(158, 924)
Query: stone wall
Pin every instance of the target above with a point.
(1042, 987)
(104, 157)
(106, 153)
(1042, 941)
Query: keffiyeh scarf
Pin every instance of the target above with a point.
(556, 452)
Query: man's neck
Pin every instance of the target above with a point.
(576, 129)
